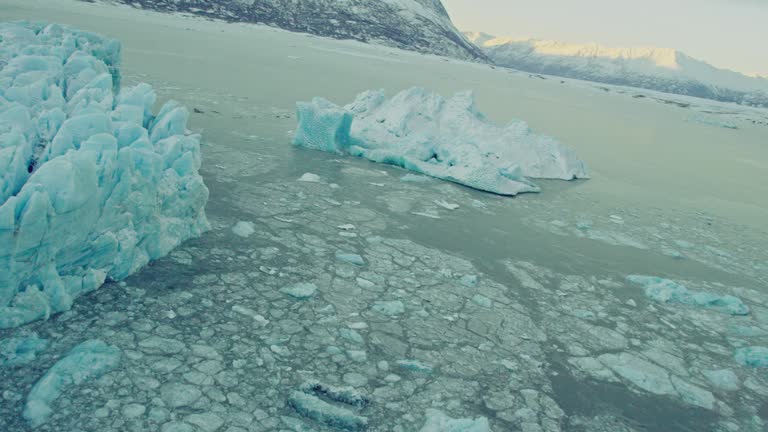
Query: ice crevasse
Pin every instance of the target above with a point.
(93, 186)
(443, 138)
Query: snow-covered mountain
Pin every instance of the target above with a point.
(417, 25)
(661, 69)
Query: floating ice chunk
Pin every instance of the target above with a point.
(21, 350)
(446, 205)
(392, 308)
(437, 421)
(350, 258)
(84, 362)
(309, 178)
(754, 356)
(723, 379)
(415, 366)
(667, 291)
(640, 372)
(322, 412)
(482, 300)
(364, 283)
(242, 310)
(443, 138)
(244, 229)
(92, 185)
(469, 281)
(301, 290)
(427, 215)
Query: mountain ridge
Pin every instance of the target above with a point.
(417, 25)
(663, 69)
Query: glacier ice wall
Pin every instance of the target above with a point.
(93, 186)
(444, 138)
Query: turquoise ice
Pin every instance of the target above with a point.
(668, 291)
(21, 350)
(93, 186)
(443, 138)
(754, 356)
(87, 361)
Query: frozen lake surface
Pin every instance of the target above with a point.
(419, 294)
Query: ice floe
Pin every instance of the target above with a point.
(667, 291)
(84, 362)
(444, 138)
(438, 421)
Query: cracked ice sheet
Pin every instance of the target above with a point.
(204, 348)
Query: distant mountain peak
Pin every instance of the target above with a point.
(662, 69)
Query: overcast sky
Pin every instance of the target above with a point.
(727, 33)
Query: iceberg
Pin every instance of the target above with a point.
(87, 361)
(93, 186)
(667, 291)
(444, 138)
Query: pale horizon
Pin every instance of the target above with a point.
(735, 44)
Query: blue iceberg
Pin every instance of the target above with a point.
(443, 138)
(85, 362)
(667, 291)
(93, 186)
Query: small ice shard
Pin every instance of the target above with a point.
(724, 379)
(443, 138)
(322, 412)
(85, 362)
(391, 308)
(242, 310)
(21, 350)
(364, 283)
(301, 290)
(427, 215)
(244, 229)
(350, 258)
(309, 178)
(446, 205)
(482, 300)
(415, 366)
(437, 421)
(754, 356)
(667, 291)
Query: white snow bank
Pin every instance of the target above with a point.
(443, 138)
(92, 185)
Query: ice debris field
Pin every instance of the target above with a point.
(333, 300)
(443, 138)
(93, 185)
